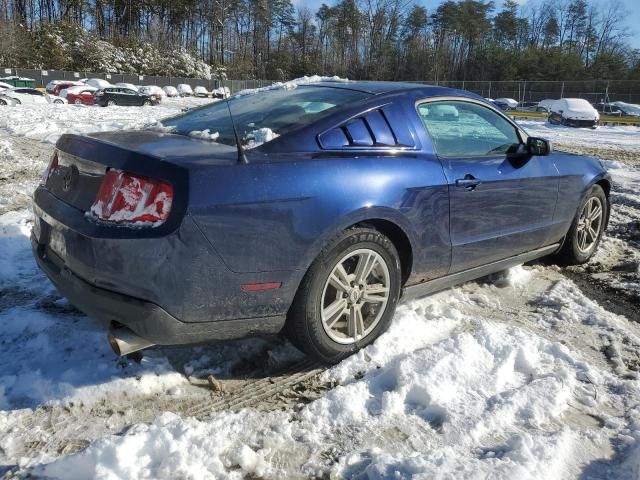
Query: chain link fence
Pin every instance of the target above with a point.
(522, 91)
(533, 91)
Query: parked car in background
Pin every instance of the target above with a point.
(185, 90)
(170, 91)
(200, 91)
(355, 197)
(153, 90)
(628, 109)
(574, 112)
(32, 96)
(98, 83)
(608, 109)
(506, 103)
(59, 87)
(81, 95)
(546, 104)
(111, 96)
(49, 86)
(221, 92)
(7, 101)
(130, 86)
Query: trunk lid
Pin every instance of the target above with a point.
(84, 160)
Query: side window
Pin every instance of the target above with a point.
(465, 129)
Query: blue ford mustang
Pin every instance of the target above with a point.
(310, 211)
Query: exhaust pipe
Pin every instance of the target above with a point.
(123, 341)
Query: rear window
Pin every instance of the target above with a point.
(263, 116)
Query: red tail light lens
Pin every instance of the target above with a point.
(124, 198)
(53, 166)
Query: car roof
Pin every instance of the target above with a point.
(374, 87)
(381, 88)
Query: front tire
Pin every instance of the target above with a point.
(584, 236)
(111, 103)
(348, 296)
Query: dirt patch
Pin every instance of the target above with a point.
(630, 156)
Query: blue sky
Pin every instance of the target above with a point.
(632, 8)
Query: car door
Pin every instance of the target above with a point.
(129, 96)
(497, 207)
(23, 96)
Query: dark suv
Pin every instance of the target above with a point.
(608, 109)
(110, 96)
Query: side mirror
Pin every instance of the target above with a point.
(538, 146)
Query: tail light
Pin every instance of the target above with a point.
(124, 198)
(53, 166)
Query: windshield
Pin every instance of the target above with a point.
(262, 116)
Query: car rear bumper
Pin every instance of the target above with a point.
(146, 319)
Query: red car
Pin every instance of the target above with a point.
(55, 90)
(79, 97)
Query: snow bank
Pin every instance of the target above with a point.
(46, 123)
(41, 347)
(457, 398)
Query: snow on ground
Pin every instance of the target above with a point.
(617, 139)
(46, 122)
(516, 375)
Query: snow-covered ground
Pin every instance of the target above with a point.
(532, 373)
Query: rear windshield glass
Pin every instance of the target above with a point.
(262, 116)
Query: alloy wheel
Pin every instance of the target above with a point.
(355, 296)
(589, 224)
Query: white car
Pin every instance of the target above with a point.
(170, 91)
(221, 92)
(5, 86)
(98, 83)
(200, 92)
(153, 90)
(185, 90)
(30, 96)
(574, 112)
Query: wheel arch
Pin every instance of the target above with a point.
(398, 237)
(604, 181)
(387, 221)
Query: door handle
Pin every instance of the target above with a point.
(469, 182)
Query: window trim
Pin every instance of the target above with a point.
(522, 135)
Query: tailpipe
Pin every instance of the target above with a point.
(123, 341)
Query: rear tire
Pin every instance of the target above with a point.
(77, 101)
(584, 236)
(3, 102)
(111, 103)
(348, 296)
